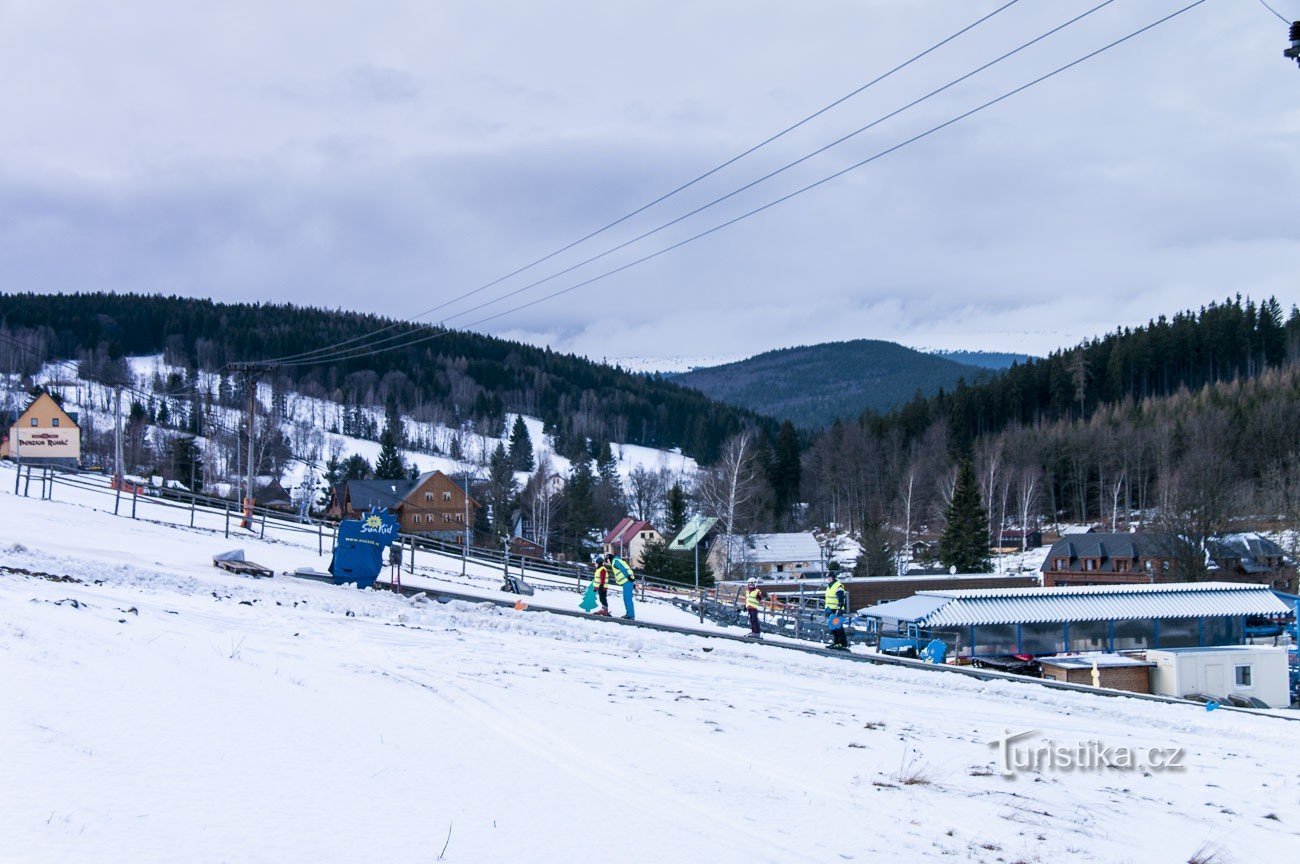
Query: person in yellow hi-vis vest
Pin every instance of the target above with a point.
(625, 579)
(837, 606)
(600, 582)
(753, 597)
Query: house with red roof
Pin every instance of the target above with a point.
(628, 538)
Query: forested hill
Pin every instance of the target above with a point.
(446, 376)
(1187, 422)
(1222, 342)
(812, 385)
(985, 359)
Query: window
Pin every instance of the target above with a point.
(446, 496)
(55, 422)
(1222, 631)
(460, 518)
(1042, 638)
(1090, 564)
(1089, 635)
(1135, 633)
(1121, 565)
(416, 518)
(1062, 563)
(995, 639)
(428, 496)
(1243, 676)
(1180, 632)
(446, 517)
(33, 421)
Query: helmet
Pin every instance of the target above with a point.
(751, 582)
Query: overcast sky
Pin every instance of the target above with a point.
(388, 157)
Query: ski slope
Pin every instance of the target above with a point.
(177, 712)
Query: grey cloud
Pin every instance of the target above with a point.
(381, 85)
(1151, 180)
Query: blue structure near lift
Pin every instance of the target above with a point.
(1041, 621)
(358, 551)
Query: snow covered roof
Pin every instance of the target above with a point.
(775, 548)
(979, 606)
(1086, 661)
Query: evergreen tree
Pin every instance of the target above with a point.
(333, 477)
(658, 562)
(676, 510)
(965, 540)
(521, 446)
(500, 490)
(784, 475)
(579, 514)
(606, 464)
(389, 466)
(355, 467)
(878, 556)
(187, 461)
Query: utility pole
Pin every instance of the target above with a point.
(117, 437)
(464, 560)
(251, 372)
(250, 382)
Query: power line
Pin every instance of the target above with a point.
(329, 348)
(1274, 11)
(782, 199)
(347, 353)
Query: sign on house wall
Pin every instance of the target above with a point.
(47, 443)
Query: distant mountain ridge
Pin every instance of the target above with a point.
(985, 359)
(812, 385)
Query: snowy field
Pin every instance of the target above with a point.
(162, 710)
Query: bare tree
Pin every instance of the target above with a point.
(541, 500)
(1027, 495)
(731, 489)
(647, 493)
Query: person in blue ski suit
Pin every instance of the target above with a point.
(625, 578)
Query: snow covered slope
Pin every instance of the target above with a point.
(161, 710)
(307, 422)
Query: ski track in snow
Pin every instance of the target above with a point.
(229, 719)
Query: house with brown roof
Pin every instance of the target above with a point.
(1116, 559)
(434, 504)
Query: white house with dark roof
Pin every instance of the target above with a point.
(762, 555)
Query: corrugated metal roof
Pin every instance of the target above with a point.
(1098, 603)
(911, 608)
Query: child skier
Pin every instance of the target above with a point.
(600, 581)
(753, 596)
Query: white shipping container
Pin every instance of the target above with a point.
(1226, 670)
